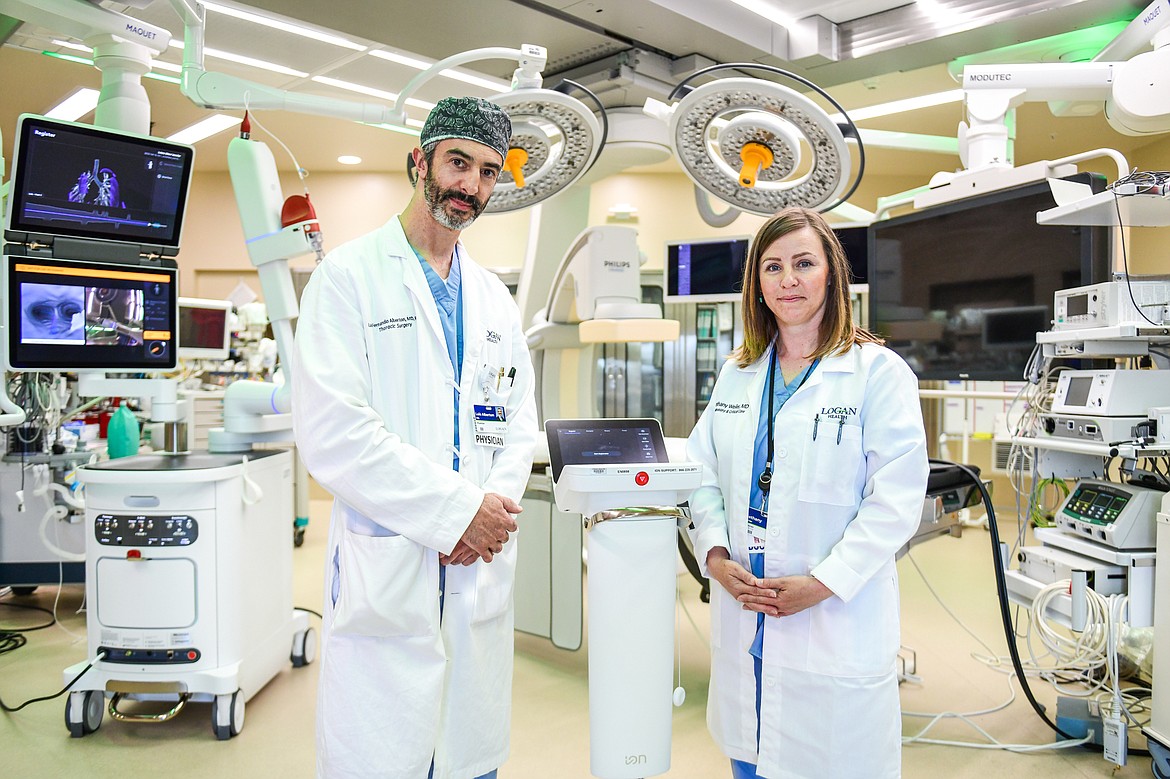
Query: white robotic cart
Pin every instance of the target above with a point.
(188, 580)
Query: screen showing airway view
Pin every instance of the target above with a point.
(70, 316)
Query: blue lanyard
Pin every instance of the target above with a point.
(765, 480)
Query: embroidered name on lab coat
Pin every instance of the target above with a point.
(839, 412)
(730, 408)
(393, 323)
(492, 337)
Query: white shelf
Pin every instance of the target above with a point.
(1100, 210)
(1128, 558)
(1129, 339)
(1023, 590)
(1089, 447)
(1129, 330)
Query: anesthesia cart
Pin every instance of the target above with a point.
(616, 474)
(188, 578)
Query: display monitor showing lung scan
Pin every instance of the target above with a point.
(80, 181)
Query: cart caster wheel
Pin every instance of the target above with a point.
(1159, 759)
(227, 715)
(83, 712)
(304, 648)
(298, 536)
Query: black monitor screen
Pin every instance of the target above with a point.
(603, 442)
(66, 315)
(961, 290)
(705, 270)
(855, 242)
(86, 182)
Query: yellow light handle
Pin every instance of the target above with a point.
(514, 164)
(755, 156)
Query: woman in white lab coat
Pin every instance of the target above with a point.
(797, 522)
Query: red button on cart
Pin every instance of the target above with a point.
(642, 478)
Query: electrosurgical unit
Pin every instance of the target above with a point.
(1109, 304)
(1121, 516)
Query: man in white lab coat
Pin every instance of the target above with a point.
(413, 405)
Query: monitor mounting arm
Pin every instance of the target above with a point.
(123, 50)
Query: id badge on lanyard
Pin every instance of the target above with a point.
(490, 425)
(757, 526)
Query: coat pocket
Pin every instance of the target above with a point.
(494, 583)
(386, 590)
(829, 470)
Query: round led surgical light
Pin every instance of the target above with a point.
(744, 140)
(560, 136)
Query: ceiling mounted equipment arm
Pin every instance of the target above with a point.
(742, 139)
(555, 136)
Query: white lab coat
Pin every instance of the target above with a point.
(373, 417)
(840, 511)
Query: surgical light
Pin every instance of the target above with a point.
(560, 137)
(743, 139)
(371, 91)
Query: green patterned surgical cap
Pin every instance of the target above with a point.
(472, 118)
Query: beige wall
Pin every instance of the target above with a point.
(214, 260)
(1149, 247)
(213, 257)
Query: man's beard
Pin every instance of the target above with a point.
(437, 199)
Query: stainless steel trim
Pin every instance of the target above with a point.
(638, 512)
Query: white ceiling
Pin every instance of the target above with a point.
(626, 50)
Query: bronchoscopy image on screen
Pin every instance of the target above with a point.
(93, 316)
(67, 315)
(53, 313)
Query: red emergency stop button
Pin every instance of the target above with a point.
(642, 478)
(133, 554)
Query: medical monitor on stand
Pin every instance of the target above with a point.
(705, 271)
(204, 329)
(94, 217)
(67, 315)
(75, 181)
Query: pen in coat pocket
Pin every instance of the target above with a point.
(816, 422)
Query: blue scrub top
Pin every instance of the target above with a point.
(783, 391)
(448, 297)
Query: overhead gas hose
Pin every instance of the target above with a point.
(1005, 616)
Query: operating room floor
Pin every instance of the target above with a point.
(550, 734)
